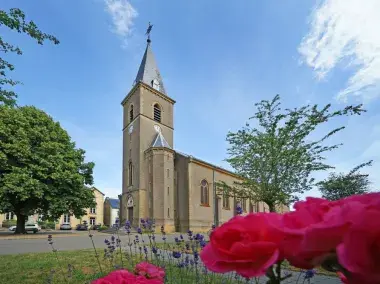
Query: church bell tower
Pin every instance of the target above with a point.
(148, 156)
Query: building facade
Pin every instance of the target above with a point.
(111, 211)
(94, 216)
(174, 189)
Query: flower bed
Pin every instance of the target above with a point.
(253, 248)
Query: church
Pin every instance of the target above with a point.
(174, 189)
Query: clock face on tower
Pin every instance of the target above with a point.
(157, 128)
(156, 84)
(130, 129)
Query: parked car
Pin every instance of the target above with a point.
(28, 228)
(96, 227)
(32, 228)
(82, 227)
(65, 227)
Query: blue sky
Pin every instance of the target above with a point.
(217, 59)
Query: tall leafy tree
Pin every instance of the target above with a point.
(15, 20)
(41, 170)
(277, 157)
(340, 185)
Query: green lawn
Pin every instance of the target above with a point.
(81, 266)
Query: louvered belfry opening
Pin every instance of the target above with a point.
(131, 113)
(157, 113)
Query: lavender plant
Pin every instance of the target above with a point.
(180, 257)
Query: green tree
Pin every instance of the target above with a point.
(276, 159)
(41, 170)
(15, 20)
(340, 185)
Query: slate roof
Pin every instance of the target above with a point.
(148, 70)
(114, 203)
(208, 163)
(160, 141)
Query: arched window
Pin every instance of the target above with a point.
(243, 204)
(226, 201)
(130, 173)
(204, 193)
(157, 112)
(131, 113)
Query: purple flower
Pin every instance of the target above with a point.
(239, 210)
(154, 250)
(189, 233)
(176, 254)
(310, 273)
(139, 230)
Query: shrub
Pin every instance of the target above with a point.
(46, 225)
(9, 223)
(102, 228)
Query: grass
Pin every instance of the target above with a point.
(80, 266)
(37, 267)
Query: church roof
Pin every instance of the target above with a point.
(160, 141)
(114, 202)
(209, 164)
(148, 71)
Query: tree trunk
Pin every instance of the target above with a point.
(20, 229)
(272, 207)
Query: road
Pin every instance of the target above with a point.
(76, 242)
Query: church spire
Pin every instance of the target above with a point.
(148, 72)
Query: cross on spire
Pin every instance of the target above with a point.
(150, 26)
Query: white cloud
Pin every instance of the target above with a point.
(123, 14)
(346, 31)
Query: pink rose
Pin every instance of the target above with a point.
(149, 271)
(125, 277)
(248, 245)
(309, 215)
(342, 277)
(143, 280)
(116, 277)
(359, 253)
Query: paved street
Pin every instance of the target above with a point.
(81, 241)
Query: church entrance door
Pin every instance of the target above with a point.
(130, 215)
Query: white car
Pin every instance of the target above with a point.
(28, 228)
(32, 228)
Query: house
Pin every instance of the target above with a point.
(94, 216)
(111, 211)
(10, 216)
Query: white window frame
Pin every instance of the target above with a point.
(93, 210)
(92, 221)
(9, 216)
(66, 218)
